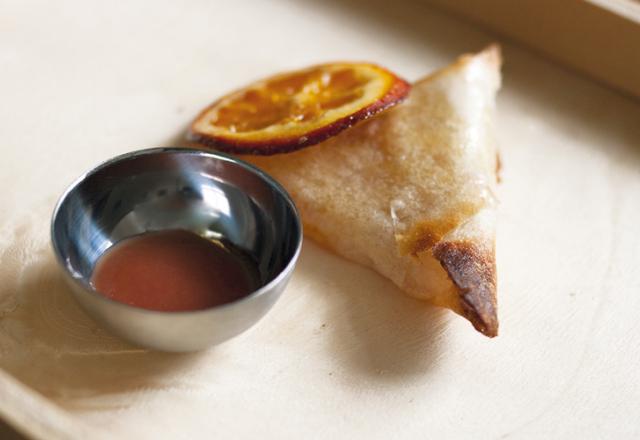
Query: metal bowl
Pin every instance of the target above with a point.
(211, 194)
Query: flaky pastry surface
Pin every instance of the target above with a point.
(411, 192)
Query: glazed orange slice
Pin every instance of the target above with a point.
(297, 109)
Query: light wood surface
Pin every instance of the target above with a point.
(343, 354)
(598, 38)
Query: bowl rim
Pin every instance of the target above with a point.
(89, 289)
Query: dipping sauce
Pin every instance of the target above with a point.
(174, 271)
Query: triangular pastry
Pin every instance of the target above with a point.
(411, 192)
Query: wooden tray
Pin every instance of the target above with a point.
(600, 38)
(343, 354)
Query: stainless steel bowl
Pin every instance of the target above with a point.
(211, 194)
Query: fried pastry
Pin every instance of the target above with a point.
(411, 192)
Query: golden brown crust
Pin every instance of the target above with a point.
(405, 195)
(473, 271)
(423, 236)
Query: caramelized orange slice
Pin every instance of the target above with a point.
(297, 109)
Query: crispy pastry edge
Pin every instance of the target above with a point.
(473, 272)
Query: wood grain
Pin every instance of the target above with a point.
(343, 354)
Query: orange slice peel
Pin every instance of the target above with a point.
(293, 110)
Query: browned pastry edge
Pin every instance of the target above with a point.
(473, 272)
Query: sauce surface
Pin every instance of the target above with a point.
(172, 271)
